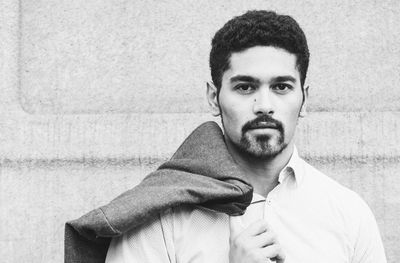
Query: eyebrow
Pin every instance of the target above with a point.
(284, 79)
(245, 78)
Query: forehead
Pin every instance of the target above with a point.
(263, 62)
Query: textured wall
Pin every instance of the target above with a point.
(95, 94)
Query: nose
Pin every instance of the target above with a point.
(263, 103)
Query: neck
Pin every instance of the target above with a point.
(263, 174)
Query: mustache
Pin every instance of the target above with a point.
(263, 121)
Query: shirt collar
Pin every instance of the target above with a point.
(293, 168)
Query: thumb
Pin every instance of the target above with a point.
(235, 226)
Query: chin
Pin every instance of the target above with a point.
(262, 147)
(264, 153)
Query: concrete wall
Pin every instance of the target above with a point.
(95, 94)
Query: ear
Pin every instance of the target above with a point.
(303, 110)
(212, 98)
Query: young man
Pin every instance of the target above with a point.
(258, 65)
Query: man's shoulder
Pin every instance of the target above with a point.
(325, 185)
(334, 200)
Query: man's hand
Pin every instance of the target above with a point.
(254, 244)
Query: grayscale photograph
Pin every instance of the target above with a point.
(199, 131)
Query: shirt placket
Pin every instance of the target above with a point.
(270, 202)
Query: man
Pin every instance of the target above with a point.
(258, 65)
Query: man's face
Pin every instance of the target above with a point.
(260, 100)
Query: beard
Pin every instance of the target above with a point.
(264, 146)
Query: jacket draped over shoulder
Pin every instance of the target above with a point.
(201, 172)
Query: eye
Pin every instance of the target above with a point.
(245, 88)
(282, 88)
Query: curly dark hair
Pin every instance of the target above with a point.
(257, 28)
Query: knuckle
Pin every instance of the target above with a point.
(274, 239)
(272, 232)
(264, 224)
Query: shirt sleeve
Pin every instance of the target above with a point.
(151, 242)
(368, 243)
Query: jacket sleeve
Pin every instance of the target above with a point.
(151, 242)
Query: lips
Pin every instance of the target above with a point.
(263, 125)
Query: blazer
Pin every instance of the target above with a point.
(201, 172)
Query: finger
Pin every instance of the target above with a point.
(257, 228)
(265, 239)
(274, 252)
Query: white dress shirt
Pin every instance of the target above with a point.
(315, 218)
